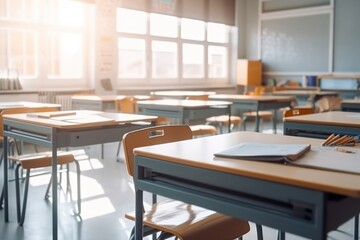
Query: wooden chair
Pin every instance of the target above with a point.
(202, 130)
(218, 121)
(298, 111)
(128, 104)
(174, 218)
(32, 161)
(328, 103)
(263, 115)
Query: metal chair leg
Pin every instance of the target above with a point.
(2, 198)
(47, 195)
(78, 187)
(21, 211)
(356, 227)
(281, 235)
(118, 151)
(259, 232)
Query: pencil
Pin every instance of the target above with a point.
(328, 139)
(337, 141)
(341, 140)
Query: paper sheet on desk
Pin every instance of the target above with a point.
(328, 158)
(83, 119)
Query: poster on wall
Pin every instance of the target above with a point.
(105, 75)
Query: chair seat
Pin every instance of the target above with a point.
(199, 130)
(191, 222)
(43, 159)
(262, 114)
(224, 119)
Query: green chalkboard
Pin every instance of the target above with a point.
(296, 44)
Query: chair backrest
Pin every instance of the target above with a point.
(298, 111)
(151, 136)
(328, 103)
(126, 105)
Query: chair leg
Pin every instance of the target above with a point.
(78, 184)
(281, 235)
(118, 151)
(244, 123)
(78, 187)
(47, 195)
(356, 227)
(2, 198)
(21, 212)
(259, 232)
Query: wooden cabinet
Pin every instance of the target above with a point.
(249, 72)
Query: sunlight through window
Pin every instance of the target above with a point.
(96, 208)
(131, 21)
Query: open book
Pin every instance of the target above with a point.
(276, 152)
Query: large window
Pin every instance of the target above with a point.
(52, 43)
(43, 40)
(18, 51)
(162, 49)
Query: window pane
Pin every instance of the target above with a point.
(19, 9)
(130, 21)
(217, 33)
(162, 25)
(217, 62)
(192, 29)
(2, 8)
(65, 55)
(193, 61)
(164, 59)
(3, 44)
(20, 52)
(65, 13)
(132, 61)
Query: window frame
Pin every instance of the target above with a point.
(180, 81)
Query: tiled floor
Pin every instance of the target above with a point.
(107, 193)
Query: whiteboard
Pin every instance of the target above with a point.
(296, 44)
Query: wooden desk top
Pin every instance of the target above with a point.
(80, 119)
(23, 104)
(95, 98)
(337, 118)
(180, 94)
(109, 98)
(184, 103)
(260, 98)
(304, 93)
(199, 153)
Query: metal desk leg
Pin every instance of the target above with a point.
(6, 192)
(257, 121)
(356, 227)
(138, 215)
(54, 187)
(275, 121)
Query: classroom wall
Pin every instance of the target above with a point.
(310, 37)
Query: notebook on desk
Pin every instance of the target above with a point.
(340, 159)
(265, 152)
